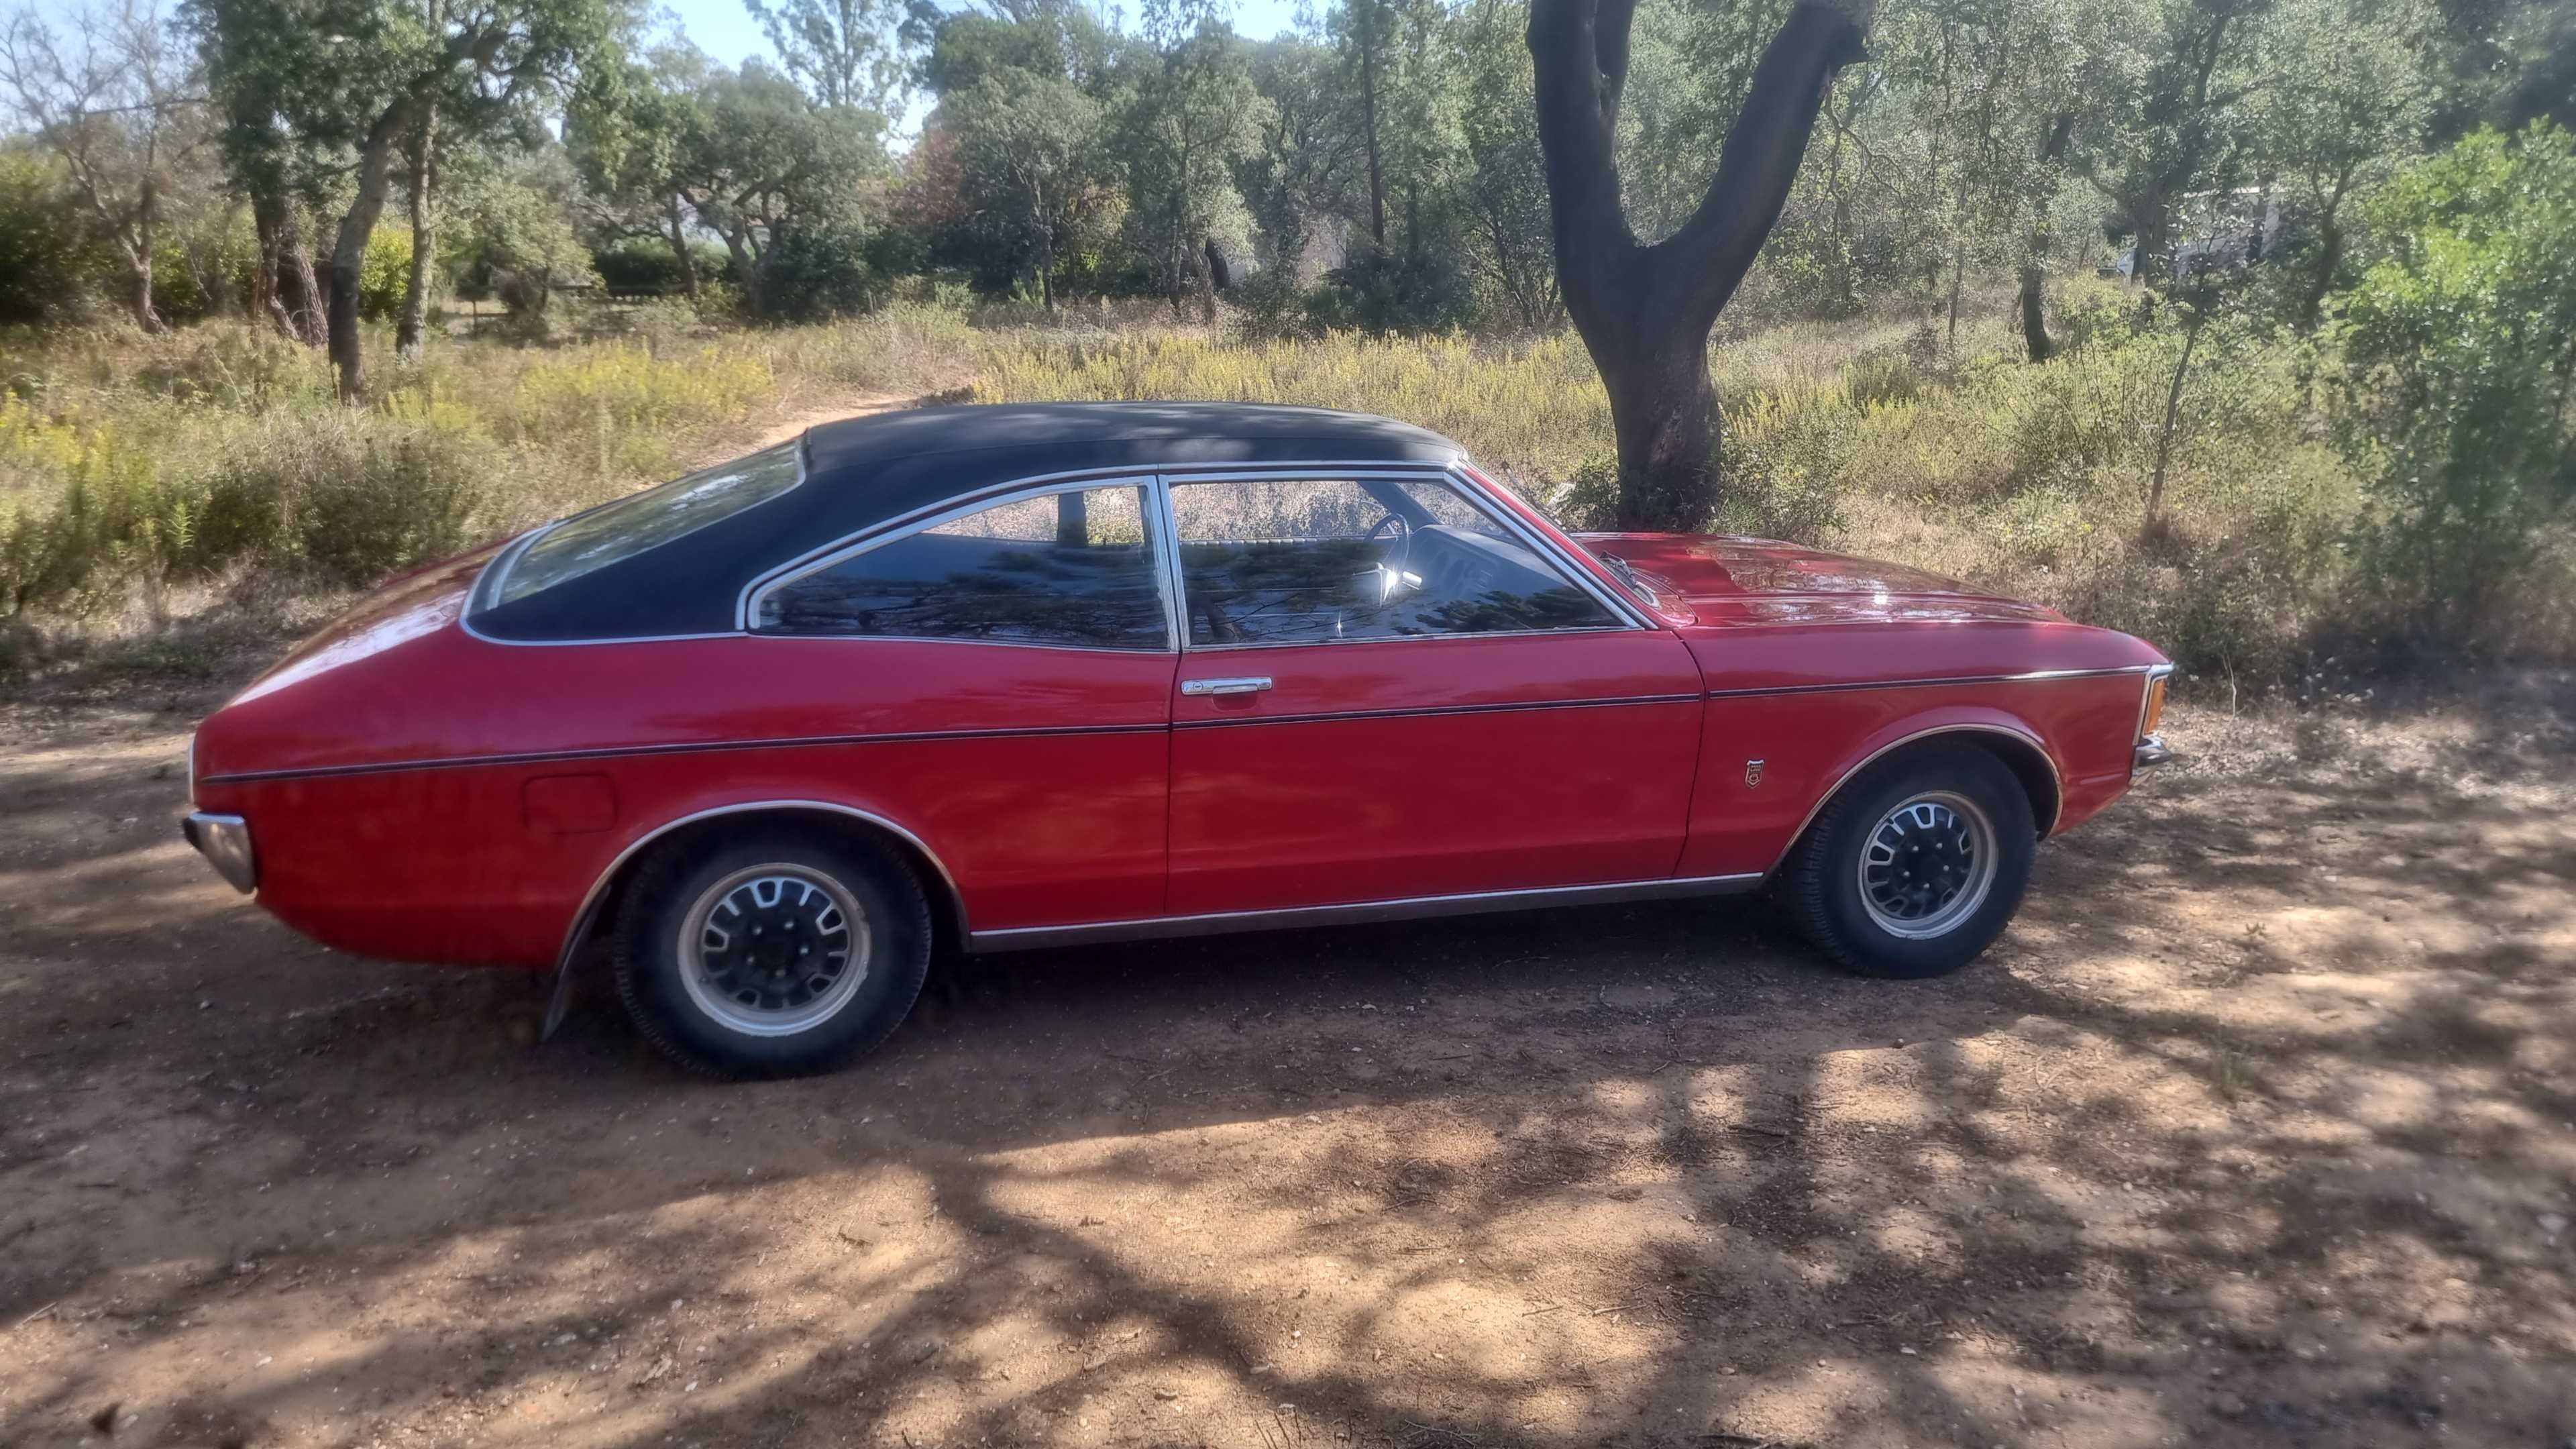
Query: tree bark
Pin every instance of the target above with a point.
(2034, 267)
(680, 252)
(2153, 223)
(147, 219)
(2034, 318)
(283, 288)
(409, 338)
(2173, 410)
(1368, 130)
(1644, 312)
(1046, 250)
(349, 248)
(2312, 299)
(305, 318)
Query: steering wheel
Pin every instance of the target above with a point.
(1397, 531)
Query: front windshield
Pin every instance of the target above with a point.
(590, 541)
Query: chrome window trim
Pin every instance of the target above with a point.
(1451, 475)
(479, 635)
(1402, 908)
(937, 639)
(1468, 477)
(747, 609)
(487, 584)
(2056, 776)
(1409, 638)
(761, 582)
(582, 918)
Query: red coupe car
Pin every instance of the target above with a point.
(1020, 676)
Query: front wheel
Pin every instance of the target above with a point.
(771, 954)
(1913, 869)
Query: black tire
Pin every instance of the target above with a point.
(1821, 885)
(690, 1026)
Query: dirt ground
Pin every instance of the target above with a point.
(2258, 1128)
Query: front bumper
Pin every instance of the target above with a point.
(2152, 750)
(224, 840)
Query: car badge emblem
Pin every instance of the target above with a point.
(1752, 773)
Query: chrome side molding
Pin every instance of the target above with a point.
(1409, 908)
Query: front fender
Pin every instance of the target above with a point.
(1769, 763)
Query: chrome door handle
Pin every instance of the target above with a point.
(1238, 684)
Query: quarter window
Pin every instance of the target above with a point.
(1070, 568)
(613, 532)
(1318, 560)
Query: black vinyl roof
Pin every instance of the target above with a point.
(861, 472)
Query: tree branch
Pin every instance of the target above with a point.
(1577, 108)
(1711, 252)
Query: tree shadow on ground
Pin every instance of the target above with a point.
(2242, 1135)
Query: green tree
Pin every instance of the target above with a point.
(45, 258)
(1029, 148)
(368, 74)
(2458, 352)
(1645, 310)
(627, 130)
(2164, 87)
(1505, 187)
(512, 235)
(1989, 86)
(2351, 104)
(845, 53)
(765, 162)
(1308, 164)
(120, 108)
(1193, 115)
(1060, 41)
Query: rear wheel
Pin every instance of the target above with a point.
(772, 953)
(1913, 869)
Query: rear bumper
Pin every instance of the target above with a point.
(224, 840)
(2152, 750)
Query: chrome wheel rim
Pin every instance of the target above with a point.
(774, 950)
(1927, 865)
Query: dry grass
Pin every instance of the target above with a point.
(1878, 437)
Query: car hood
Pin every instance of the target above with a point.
(1731, 579)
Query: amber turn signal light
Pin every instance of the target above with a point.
(2155, 707)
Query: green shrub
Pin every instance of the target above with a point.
(45, 260)
(822, 269)
(353, 495)
(369, 501)
(1786, 464)
(384, 273)
(648, 265)
(2457, 355)
(1382, 294)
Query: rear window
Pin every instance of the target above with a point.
(640, 521)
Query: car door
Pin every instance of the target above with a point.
(996, 681)
(1389, 689)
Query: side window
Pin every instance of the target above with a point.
(1318, 560)
(1071, 568)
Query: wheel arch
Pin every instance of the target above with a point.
(947, 904)
(2015, 746)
